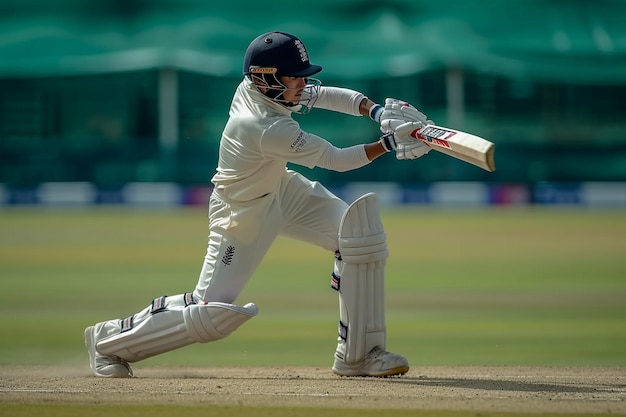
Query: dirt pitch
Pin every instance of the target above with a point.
(502, 389)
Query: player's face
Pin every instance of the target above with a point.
(295, 86)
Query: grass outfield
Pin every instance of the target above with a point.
(476, 287)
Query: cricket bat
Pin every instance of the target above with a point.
(457, 144)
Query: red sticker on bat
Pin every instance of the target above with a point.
(434, 135)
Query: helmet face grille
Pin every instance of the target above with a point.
(275, 90)
(280, 54)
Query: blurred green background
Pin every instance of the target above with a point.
(464, 287)
(118, 91)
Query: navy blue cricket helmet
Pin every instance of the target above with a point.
(282, 51)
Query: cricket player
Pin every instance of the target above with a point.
(255, 199)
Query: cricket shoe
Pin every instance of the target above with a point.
(104, 366)
(377, 363)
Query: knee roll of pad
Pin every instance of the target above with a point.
(364, 249)
(214, 321)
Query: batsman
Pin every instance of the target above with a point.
(256, 198)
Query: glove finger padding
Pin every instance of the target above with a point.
(390, 125)
(407, 112)
(411, 151)
(407, 130)
(407, 146)
(390, 100)
(394, 114)
(394, 101)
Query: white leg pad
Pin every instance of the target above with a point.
(361, 280)
(174, 326)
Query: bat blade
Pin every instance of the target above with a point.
(460, 145)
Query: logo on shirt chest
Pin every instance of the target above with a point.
(299, 143)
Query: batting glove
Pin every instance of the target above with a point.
(408, 145)
(404, 136)
(404, 120)
(401, 110)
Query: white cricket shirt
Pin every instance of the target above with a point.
(261, 137)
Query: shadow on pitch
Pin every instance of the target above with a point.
(498, 385)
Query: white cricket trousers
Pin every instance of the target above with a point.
(240, 234)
